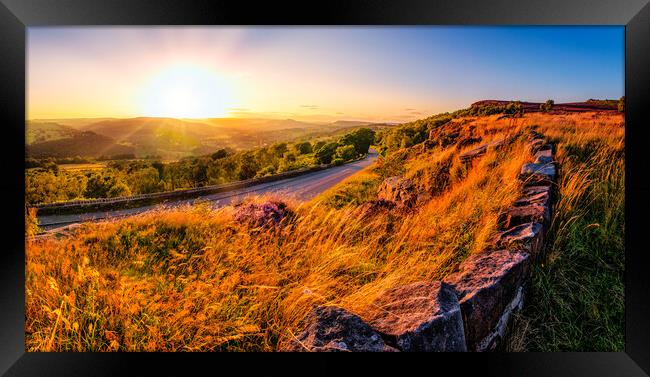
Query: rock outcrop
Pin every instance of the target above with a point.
(333, 329)
(528, 237)
(423, 316)
(471, 154)
(270, 213)
(375, 206)
(486, 284)
(537, 174)
(400, 190)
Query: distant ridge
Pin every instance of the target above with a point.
(590, 105)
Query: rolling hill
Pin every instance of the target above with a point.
(172, 138)
(81, 143)
(38, 132)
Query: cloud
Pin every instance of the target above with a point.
(311, 107)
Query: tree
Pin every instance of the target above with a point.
(219, 154)
(318, 145)
(120, 189)
(325, 154)
(279, 149)
(200, 173)
(346, 152)
(99, 184)
(361, 139)
(303, 147)
(160, 167)
(248, 166)
(621, 104)
(547, 106)
(515, 109)
(145, 181)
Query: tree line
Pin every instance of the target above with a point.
(47, 183)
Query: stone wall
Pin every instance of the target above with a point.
(470, 309)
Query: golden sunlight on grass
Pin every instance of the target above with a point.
(193, 279)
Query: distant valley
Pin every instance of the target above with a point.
(170, 138)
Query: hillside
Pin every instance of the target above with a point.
(219, 280)
(38, 132)
(177, 138)
(80, 143)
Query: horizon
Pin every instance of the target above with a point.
(389, 74)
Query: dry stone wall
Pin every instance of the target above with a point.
(470, 309)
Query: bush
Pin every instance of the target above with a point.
(325, 154)
(119, 190)
(621, 104)
(303, 148)
(338, 161)
(547, 106)
(346, 152)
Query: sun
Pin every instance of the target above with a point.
(186, 91)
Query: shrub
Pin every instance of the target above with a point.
(346, 153)
(621, 104)
(547, 106)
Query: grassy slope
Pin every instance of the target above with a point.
(576, 298)
(195, 280)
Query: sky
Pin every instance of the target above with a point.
(313, 73)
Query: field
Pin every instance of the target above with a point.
(195, 279)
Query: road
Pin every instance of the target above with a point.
(301, 188)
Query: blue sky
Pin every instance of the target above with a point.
(373, 73)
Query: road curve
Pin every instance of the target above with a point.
(301, 188)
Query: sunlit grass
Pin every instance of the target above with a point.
(192, 279)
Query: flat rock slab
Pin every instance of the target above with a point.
(423, 316)
(532, 212)
(528, 237)
(544, 157)
(334, 329)
(400, 190)
(535, 194)
(486, 284)
(480, 150)
(537, 174)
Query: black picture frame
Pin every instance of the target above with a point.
(17, 15)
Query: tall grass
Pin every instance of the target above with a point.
(575, 300)
(193, 279)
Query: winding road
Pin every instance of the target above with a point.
(301, 188)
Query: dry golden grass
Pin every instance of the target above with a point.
(192, 279)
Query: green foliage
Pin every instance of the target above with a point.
(219, 154)
(303, 147)
(269, 170)
(578, 291)
(346, 152)
(144, 181)
(360, 139)
(325, 154)
(547, 106)
(621, 104)
(99, 184)
(409, 134)
(31, 222)
(119, 190)
(46, 183)
(279, 149)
